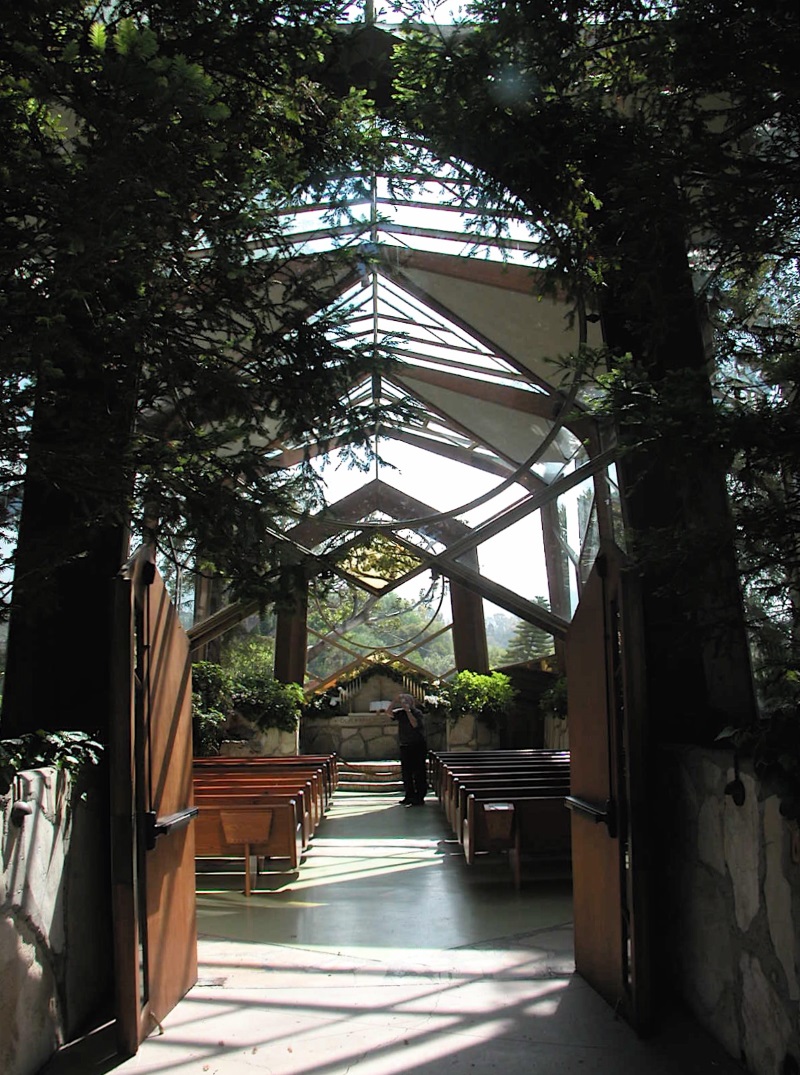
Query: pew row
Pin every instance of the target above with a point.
(267, 829)
(534, 823)
(511, 801)
(260, 808)
(442, 763)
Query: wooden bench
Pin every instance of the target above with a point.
(535, 823)
(552, 783)
(253, 794)
(265, 829)
(462, 770)
(507, 800)
(260, 807)
(306, 785)
(328, 764)
(441, 763)
(459, 783)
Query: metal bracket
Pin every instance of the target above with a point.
(607, 814)
(161, 826)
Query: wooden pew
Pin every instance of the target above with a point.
(268, 829)
(458, 782)
(441, 763)
(500, 785)
(327, 763)
(535, 823)
(507, 800)
(463, 769)
(254, 795)
(306, 785)
(261, 807)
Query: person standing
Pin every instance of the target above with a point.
(413, 749)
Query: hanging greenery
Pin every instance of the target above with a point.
(69, 751)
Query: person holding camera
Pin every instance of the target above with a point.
(413, 749)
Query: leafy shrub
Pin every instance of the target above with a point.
(213, 686)
(68, 750)
(553, 702)
(323, 704)
(490, 697)
(266, 702)
(212, 705)
(208, 729)
(247, 687)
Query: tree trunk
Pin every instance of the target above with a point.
(675, 500)
(73, 539)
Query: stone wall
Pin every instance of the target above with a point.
(730, 916)
(468, 733)
(253, 742)
(56, 965)
(366, 732)
(353, 736)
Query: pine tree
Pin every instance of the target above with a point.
(528, 641)
(155, 331)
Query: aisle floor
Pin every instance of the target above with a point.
(385, 954)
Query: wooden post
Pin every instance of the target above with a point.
(291, 633)
(470, 650)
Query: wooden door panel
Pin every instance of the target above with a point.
(151, 777)
(608, 781)
(171, 915)
(595, 870)
(596, 903)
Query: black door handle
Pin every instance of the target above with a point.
(162, 826)
(607, 814)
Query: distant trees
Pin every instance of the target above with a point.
(392, 622)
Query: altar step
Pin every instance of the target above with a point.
(370, 776)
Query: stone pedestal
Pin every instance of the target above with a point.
(272, 743)
(468, 733)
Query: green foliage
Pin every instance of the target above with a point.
(553, 702)
(212, 684)
(71, 751)
(267, 702)
(255, 692)
(325, 703)
(773, 744)
(250, 654)
(245, 686)
(147, 147)
(208, 729)
(630, 137)
(212, 703)
(490, 697)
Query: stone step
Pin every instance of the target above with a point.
(370, 776)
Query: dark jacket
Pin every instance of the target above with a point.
(407, 734)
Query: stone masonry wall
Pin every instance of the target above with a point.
(365, 733)
(731, 912)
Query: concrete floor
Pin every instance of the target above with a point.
(386, 954)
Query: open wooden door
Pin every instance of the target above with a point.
(605, 678)
(155, 933)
